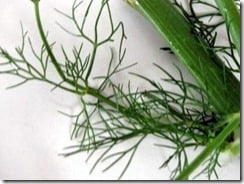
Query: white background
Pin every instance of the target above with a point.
(33, 133)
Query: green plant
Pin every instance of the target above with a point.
(204, 114)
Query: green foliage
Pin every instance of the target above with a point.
(112, 114)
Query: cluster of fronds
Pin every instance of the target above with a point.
(112, 113)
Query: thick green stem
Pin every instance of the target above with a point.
(232, 18)
(221, 86)
(233, 123)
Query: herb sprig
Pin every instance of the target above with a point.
(112, 113)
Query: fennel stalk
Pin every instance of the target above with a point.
(195, 52)
(112, 115)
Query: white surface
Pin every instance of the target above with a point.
(33, 133)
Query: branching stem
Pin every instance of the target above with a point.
(196, 115)
(45, 42)
(233, 123)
